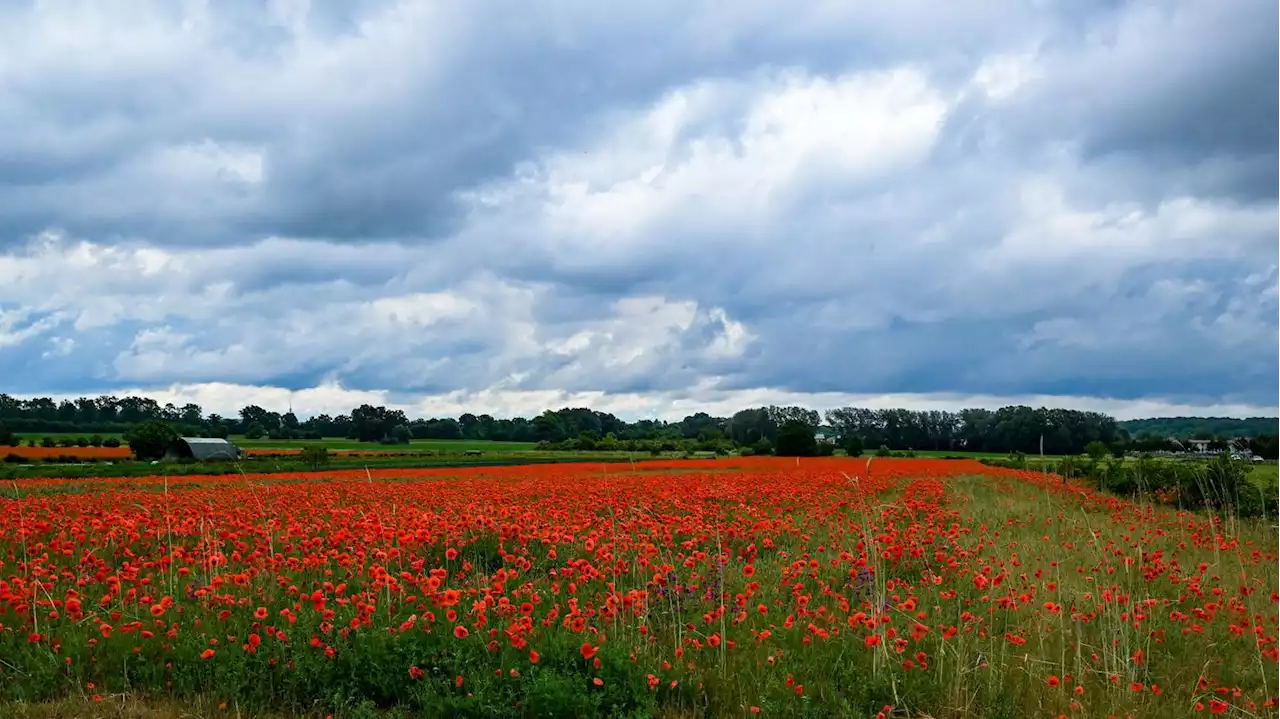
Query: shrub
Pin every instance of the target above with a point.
(314, 457)
(853, 446)
(48, 442)
(884, 451)
(12, 458)
(110, 442)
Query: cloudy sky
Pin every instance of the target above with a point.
(648, 207)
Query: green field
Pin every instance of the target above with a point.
(417, 445)
(951, 453)
(333, 443)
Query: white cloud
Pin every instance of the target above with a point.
(645, 205)
(331, 398)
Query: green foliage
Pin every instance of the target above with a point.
(7, 438)
(853, 445)
(1096, 450)
(151, 439)
(1015, 428)
(314, 457)
(795, 439)
(1189, 427)
(254, 431)
(399, 434)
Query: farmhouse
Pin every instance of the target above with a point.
(1199, 446)
(203, 449)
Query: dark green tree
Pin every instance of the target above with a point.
(853, 446)
(151, 439)
(399, 435)
(795, 439)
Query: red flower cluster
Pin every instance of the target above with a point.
(785, 571)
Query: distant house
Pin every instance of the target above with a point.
(1199, 446)
(825, 435)
(203, 449)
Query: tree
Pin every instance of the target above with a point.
(254, 431)
(374, 424)
(853, 446)
(151, 439)
(6, 435)
(1096, 450)
(795, 439)
(399, 435)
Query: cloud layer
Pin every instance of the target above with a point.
(647, 207)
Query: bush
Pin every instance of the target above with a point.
(12, 458)
(95, 440)
(314, 457)
(853, 446)
(48, 442)
(82, 442)
(884, 451)
(254, 431)
(110, 442)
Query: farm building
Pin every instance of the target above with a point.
(204, 449)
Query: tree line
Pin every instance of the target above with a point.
(1201, 427)
(1008, 429)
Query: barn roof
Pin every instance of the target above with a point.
(206, 448)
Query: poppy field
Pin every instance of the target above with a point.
(733, 587)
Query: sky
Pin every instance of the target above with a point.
(643, 206)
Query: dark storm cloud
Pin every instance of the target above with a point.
(643, 199)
